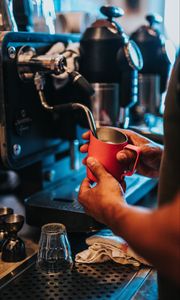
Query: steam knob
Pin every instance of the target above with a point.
(154, 18)
(112, 12)
(81, 83)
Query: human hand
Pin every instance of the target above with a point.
(101, 202)
(150, 154)
(84, 147)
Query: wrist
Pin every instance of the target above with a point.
(117, 216)
(126, 219)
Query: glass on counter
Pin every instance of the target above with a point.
(54, 255)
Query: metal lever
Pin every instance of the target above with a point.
(80, 82)
(29, 63)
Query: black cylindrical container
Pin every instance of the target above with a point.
(153, 76)
(110, 61)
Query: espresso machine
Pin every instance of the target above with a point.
(35, 131)
(38, 122)
(158, 56)
(110, 61)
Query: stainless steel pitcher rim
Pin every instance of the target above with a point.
(112, 135)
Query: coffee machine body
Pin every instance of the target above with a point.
(110, 62)
(36, 138)
(36, 142)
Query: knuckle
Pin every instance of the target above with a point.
(108, 176)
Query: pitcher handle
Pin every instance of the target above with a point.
(137, 151)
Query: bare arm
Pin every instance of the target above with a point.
(154, 234)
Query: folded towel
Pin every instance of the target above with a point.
(105, 246)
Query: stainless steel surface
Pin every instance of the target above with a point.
(12, 52)
(31, 66)
(4, 211)
(111, 135)
(89, 115)
(149, 93)
(13, 248)
(74, 106)
(39, 83)
(17, 149)
(124, 117)
(29, 63)
(105, 104)
(96, 281)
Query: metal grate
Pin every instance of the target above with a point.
(98, 281)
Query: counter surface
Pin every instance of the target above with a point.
(98, 281)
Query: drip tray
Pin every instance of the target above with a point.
(96, 281)
(60, 203)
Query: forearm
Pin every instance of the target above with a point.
(152, 234)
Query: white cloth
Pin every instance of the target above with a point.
(106, 246)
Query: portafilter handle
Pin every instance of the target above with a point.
(33, 66)
(29, 63)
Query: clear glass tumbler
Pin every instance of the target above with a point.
(54, 255)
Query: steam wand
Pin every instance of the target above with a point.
(31, 66)
(39, 82)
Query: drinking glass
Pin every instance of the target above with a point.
(54, 255)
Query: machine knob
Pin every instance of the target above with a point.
(154, 19)
(112, 12)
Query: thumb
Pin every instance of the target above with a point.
(126, 156)
(96, 168)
